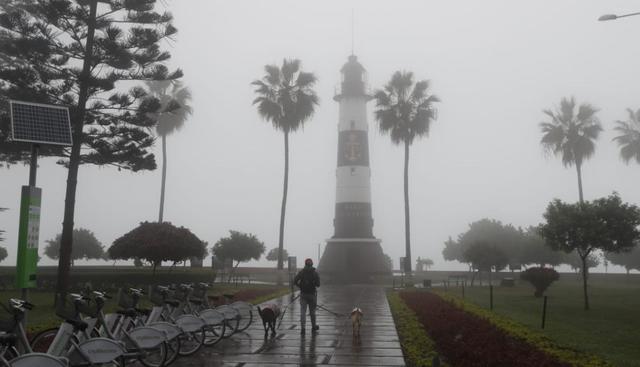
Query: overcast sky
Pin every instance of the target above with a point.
(494, 64)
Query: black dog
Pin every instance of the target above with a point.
(269, 315)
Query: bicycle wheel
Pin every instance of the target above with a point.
(245, 310)
(42, 341)
(154, 357)
(231, 319)
(214, 333)
(10, 353)
(191, 342)
(173, 347)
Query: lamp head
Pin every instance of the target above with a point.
(608, 17)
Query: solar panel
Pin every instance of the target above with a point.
(40, 123)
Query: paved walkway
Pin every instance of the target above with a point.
(333, 345)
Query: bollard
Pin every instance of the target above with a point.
(544, 311)
(491, 297)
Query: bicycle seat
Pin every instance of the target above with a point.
(8, 339)
(77, 324)
(129, 312)
(172, 302)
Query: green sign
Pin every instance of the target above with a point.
(28, 237)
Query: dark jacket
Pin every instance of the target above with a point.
(307, 280)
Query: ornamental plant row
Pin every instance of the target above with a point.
(522, 332)
(468, 339)
(418, 348)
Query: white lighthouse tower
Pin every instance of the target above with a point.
(353, 253)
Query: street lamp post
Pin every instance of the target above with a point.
(614, 17)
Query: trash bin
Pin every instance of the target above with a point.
(426, 283)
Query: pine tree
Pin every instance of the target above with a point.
(83, 54)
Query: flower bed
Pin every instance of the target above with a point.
(465, 339)
(535, 338)
(418, 348)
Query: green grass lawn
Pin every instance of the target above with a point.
(611, 329)
(43, 315)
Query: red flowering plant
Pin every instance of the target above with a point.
(540, 277)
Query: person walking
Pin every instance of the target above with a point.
(308, 280)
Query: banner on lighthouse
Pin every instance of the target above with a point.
(353, 148)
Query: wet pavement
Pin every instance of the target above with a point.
(333, 345)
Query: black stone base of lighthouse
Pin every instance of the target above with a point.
(349, 261)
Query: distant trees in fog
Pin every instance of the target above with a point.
(85, 246)
(629, 260)
(273, 254)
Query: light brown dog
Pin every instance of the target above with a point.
(356, 320)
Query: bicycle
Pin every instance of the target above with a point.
(192, 328)
(82, 336)
(69, 342)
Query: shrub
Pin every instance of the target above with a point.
(541, 278)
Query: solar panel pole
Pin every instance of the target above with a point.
(33, 169)
(33, 166)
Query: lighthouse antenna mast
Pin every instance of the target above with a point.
(352, 29)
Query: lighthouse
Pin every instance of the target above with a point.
(353, 254)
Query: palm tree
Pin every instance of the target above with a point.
(174, 98)
(285, 97)
(571, 134)
(405, 112)
(629, 138)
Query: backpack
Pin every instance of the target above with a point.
(307, 281)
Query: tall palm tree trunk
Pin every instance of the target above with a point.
(66, 240)
(283, 209)
(407, 221)
(164, 178)
(579, 170)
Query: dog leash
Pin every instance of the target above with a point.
(331, 312)
(285, 310)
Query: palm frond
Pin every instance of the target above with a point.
(629, 138)
(305, 80)
(289, 70)
(285, 95)
(569, 134)
(405, 110)
(272, 75)
(586, 112)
